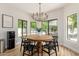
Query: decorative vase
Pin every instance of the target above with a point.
(38, 30)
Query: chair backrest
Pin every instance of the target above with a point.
(55, 38)
(23, 38)
(32, 42)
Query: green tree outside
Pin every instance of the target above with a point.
(73, 21)
(44, 26)
(33, 25)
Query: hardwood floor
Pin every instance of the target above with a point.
(16, 52)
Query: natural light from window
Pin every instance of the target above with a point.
(72, 27)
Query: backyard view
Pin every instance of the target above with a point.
(22, 27)
(33, 27)
(44, 27)
(53, 27)
(72, 27)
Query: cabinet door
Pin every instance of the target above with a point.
(11, 43)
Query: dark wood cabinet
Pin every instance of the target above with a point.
(10, 39)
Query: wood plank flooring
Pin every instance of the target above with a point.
(62, 52)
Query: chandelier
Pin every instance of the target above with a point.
(39, 16)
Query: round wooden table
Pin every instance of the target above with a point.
(39, 40)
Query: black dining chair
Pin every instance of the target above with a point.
(55, 36)
(28, 46)
(56, 40)
(50, 45)
(22, 42)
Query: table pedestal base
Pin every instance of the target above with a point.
(39, 48)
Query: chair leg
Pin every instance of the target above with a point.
(49, 52)
(57, 46)
(21, 47)
(23, 51)
(55, 51)
(32, 53)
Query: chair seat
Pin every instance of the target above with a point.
(29, 47)
(48, 46)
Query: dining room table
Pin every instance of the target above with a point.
(39, 39)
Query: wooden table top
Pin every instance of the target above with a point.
(40, 38)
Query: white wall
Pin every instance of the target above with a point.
(17, 14)
(58, 14)
(61, 14)
(68, 10)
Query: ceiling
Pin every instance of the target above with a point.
(33, 7)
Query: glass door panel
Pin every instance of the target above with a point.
(19, 28)
(22, 27)
(33, 27)
(53, 27)
(44, 27)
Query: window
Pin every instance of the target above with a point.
(44, 27)
(72, 27)
(53, 27)
(19, 28)
(33, 27)
(22, 27)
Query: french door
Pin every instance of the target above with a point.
(44, 26)
(22, 27)
(53, 27)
